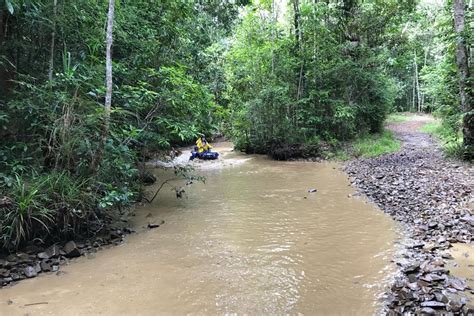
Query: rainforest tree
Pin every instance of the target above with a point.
(318, 73)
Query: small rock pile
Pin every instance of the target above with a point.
(33, 259)
(431, 196)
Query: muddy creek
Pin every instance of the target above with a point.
(251, 240)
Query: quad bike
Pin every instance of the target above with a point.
(206, 155)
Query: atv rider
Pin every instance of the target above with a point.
(202, 145)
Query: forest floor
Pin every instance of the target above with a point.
(432, 196)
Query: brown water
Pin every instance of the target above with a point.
(252, 240)
(462, 265)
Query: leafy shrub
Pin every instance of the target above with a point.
(27, 216)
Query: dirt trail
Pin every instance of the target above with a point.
(411, 136)
(433, 197)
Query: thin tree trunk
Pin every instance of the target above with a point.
(296, 7)
(463, 72)
(1, 27)
(300, 82)
(273, 36)
(108, 66)
(296, 21)
(418, 99)
(299, 48)
(315, 79)
(413, 94)
(96, 161)
(427, 50)
(53, 38)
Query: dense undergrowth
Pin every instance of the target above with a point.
(58, 180)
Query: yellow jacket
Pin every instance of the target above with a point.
(202, 147)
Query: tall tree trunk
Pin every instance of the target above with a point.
(296, 7)
(273, 35)
(463, 72)
(299, 48)
(427, 50)
(418, 98)
(413, 94)
(1, 27)
(53, 38)
(3, 71)
(96, 161)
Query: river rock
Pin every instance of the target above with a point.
(432, 304)
(42, 255)
(30, 272)
(427, 311)
(429, 194)
(32, 249)
(468, 309)
(455, 283)
(52, 252)
(15, 276)
(468, 219)
(46, 265)
(71, 250)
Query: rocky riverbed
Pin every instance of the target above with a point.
(433, 197)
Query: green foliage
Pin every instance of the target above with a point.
(284, 89)
(27, 216)
(45, 206)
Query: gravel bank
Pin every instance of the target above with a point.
(433, 197)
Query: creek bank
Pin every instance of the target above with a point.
(36, 259)
(47, 256)
(433, 197)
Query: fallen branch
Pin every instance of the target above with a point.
(39, 303)
(159, 189)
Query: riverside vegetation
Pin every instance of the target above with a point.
(89, 90)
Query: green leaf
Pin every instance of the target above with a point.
(9, 6)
